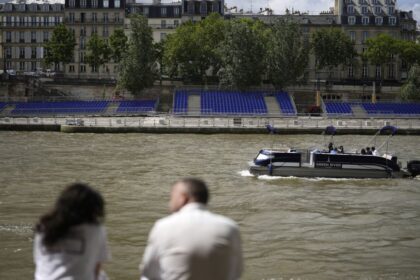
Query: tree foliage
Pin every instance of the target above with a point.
(98, 51)
(409, 52)
(332, 47)
(380, 49)
(411, 89)
(118, 43)
(191, 50)
(60, 49)
(138, 65)
(287, 54)
(243, 54)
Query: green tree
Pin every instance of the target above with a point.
(138, 69)
(332, 47)
(380, 50)
(287, 54)
(409, 52)
(98, 52)
(411, 89)
(192, 50)
(118, 43)
(60, 49)
(243, 54)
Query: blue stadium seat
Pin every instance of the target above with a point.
(137, 106)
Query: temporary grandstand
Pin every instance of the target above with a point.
(74, 108)
(365, 109)
(232, 103)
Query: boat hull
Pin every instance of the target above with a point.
(313, 172)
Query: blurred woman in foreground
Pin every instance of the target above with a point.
(70, 241)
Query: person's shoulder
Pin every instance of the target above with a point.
(223, 220)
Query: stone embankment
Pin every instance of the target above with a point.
(206, 125)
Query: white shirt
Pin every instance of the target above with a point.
(193, 243)
(74, 257)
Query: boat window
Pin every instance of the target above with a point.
(263, 157)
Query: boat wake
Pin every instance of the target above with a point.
(245, 173)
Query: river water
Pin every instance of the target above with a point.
(291, 228)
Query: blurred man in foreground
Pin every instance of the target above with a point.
(192, 243)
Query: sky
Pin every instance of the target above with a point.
(314, 7)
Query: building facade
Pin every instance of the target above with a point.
(85, 18)
(24, 30)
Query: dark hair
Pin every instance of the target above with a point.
(77, 204)
(197, 189)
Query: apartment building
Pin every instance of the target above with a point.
(85, 18)
(24, 29)
(165, 17)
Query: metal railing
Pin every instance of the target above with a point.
(168, 121)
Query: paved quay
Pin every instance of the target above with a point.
(174, 124)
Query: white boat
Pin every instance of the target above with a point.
(332, 163)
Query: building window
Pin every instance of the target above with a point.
(82, 3)
(71, 68)
(365, 10)
(378, 10)
(392, 21)
(391, 71)
(162, 36)
(375, 2)
(94, 3)
(378, 71)
(163, 24)
(94, 17)
(176, 11)
(21, 52)
(8, 52)
(33, 66)
(8, 37)
(146, 11)
(106, 17)
(33, 7)
(72, 3)
(82, 32)
(82, 68)
(94, 30)
(8, 20)
(82, 43)
(391, 10)
(82, 17)
(22, 21)
(94, 69)
(378, 20)
(176, 23)
(46, 21)
(105, 31)
(350, 71)
(33, 21)
(352, 20)
(21, 37)
(117, 4)
(117, 17)
(57, 20)
(46, 35)
(71, 17)
(22, 66)
(365, 20)
(33, 36)
(82, 57)
(106, 3)
(350, 9)
(352, 36)
(33, 52)
(365, 71)
(365, 36)
(163, 11)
